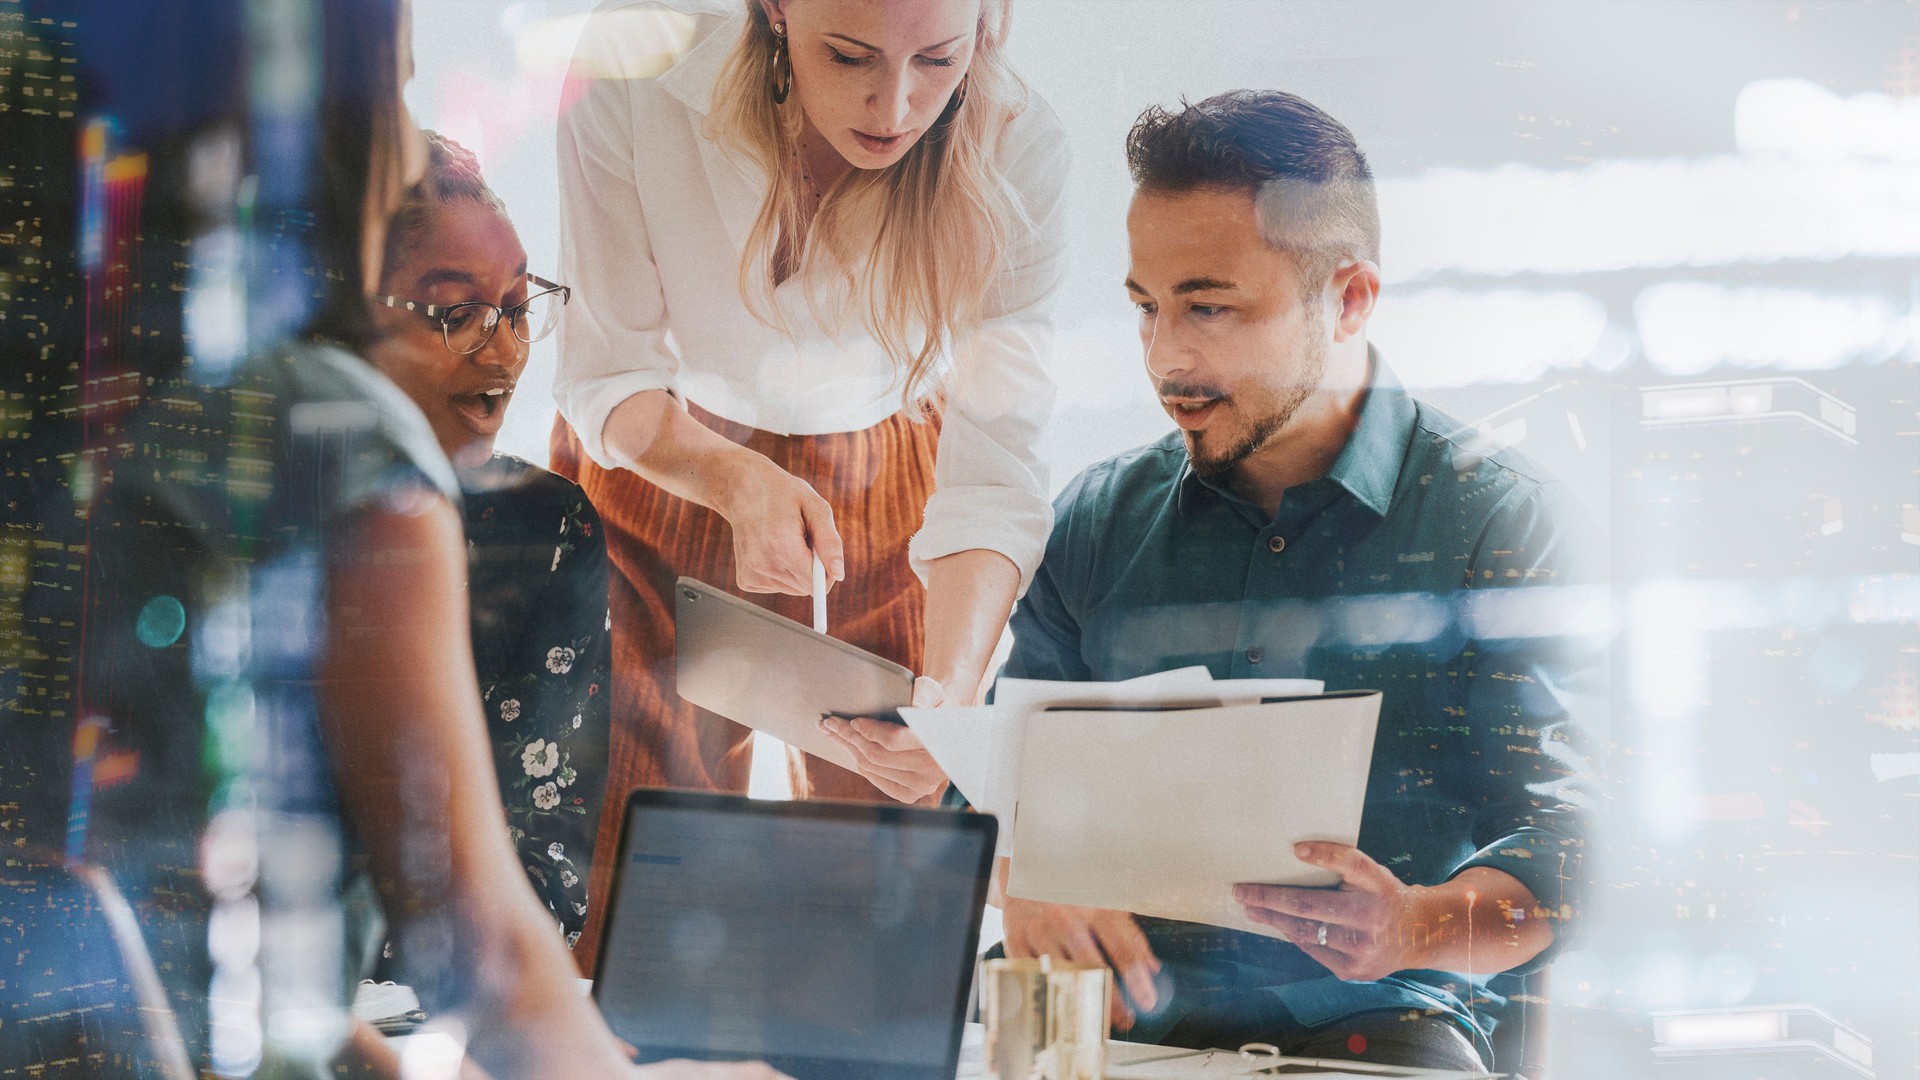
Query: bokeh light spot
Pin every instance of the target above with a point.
(161, 622)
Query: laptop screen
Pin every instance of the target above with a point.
(831, 940)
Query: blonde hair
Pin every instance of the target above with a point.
(937, 221)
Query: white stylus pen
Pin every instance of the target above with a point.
(819, 596)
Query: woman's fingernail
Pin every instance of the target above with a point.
(1301, 851)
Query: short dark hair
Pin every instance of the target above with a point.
(453, 175)
(1312, 187)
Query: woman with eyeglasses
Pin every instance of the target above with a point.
(816, 243)
(457, 311)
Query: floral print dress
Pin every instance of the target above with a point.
(538, 590)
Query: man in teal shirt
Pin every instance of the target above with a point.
(1311, 519)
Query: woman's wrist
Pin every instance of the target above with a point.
(725, 474)
(957, 685)
(969, 595)
(651, 435)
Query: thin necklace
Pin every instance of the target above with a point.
(800, 164)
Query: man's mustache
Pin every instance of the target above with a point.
(1189, 391)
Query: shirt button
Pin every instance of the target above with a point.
(1256, 654)
(1277, 545)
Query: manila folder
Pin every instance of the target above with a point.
(1162, 812)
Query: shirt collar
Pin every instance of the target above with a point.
(1368, 466)
(693, 77)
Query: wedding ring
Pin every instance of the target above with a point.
(1321, 937)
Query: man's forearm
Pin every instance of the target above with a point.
(1479, 923)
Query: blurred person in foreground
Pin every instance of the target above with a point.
(280, 646)
(1312, 519)
(457, 311)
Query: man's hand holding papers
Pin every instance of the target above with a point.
(1374, 924)
(1364, 930)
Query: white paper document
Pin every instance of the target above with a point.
(980, 748)
(1162, 812)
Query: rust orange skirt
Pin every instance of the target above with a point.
(877, 481)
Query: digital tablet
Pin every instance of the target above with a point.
(773, 674)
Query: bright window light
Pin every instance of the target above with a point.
(1720, 1029)
(1801, 119)
(1688, 403)
(1647, 214)
(1689, 328)
(1453, 337)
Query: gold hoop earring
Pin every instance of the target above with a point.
(782, 74)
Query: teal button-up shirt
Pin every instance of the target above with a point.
(1419, 566)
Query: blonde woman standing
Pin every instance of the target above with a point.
(813, 244)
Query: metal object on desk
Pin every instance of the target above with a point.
(1044, 1020)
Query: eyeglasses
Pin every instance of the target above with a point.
(466, 328)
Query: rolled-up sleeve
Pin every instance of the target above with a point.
(1535, 676)
(613, 332)
(990, 483)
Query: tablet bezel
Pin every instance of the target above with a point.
(746, 607)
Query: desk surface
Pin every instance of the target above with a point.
(1132, 1061)
(436, 1053)
(1125, 1061)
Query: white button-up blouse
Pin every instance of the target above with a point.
(654, 220)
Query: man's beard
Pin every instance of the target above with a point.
(1216, 464)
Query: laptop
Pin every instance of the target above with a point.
(834, 941)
